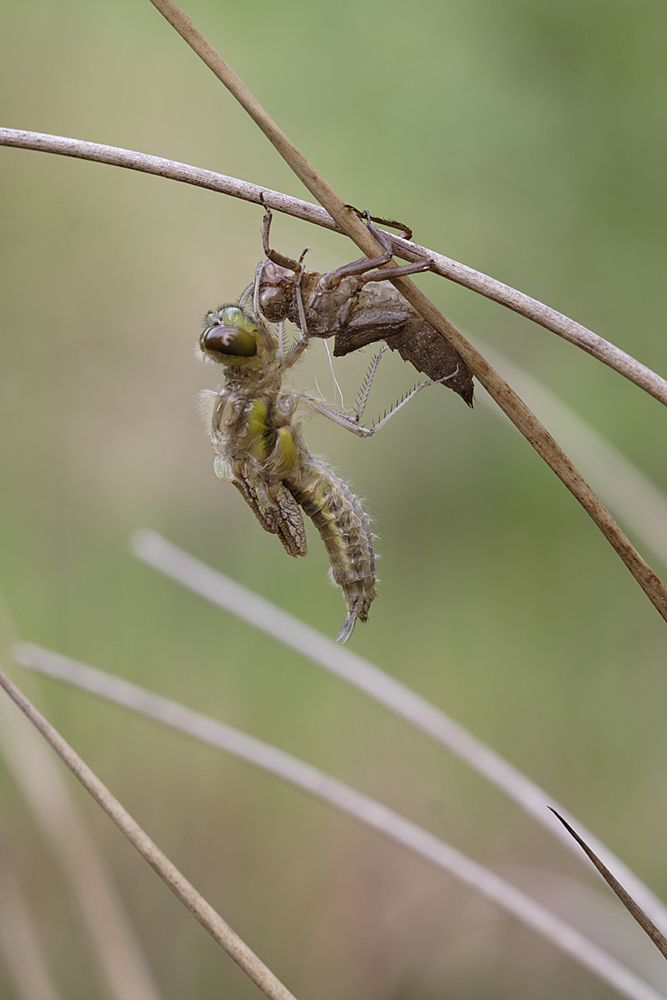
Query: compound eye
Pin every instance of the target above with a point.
(228, 341)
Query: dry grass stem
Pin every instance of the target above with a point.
(349, 801)
(637, 501)
(491, 288)
(507, 399)
(550, 319)
(399, 699)
(647, 925)
(123, 967)
(219, 930)
(20, 948)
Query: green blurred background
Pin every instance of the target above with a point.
(524, 138)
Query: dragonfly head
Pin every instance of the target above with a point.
(232, 337)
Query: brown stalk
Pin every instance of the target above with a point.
(123, 970)
(644, 921)
(551, 319)
(521, 416)
(219, 930)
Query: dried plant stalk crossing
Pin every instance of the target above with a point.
(462, 274)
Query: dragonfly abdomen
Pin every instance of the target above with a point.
(344, 527)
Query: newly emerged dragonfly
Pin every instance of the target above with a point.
(262, 452)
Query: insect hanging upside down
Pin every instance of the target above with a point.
(259, 449)
(263, 454)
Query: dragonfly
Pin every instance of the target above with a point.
(258, 443)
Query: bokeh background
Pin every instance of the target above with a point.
(524, 138)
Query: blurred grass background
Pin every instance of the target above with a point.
(522, 138)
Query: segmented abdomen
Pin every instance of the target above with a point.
(345, 530)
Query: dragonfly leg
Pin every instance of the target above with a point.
(281, 338)
(304, 336)
(274, 255)
(360, 266)
(405, 231)
(361, 398)
(350, 422)
(397, 272)
(392, 272)
(366, 264)
(344, 420)
(245, 294)
(259, 273)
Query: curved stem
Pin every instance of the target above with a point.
(576, 333)
(503, 394)
(462, 274)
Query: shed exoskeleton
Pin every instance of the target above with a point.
(357, 305)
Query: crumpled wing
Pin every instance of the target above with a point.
(276, 510)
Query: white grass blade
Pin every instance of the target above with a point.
(122, 964)
(20, 947)
(368, 811)
(166, 557)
